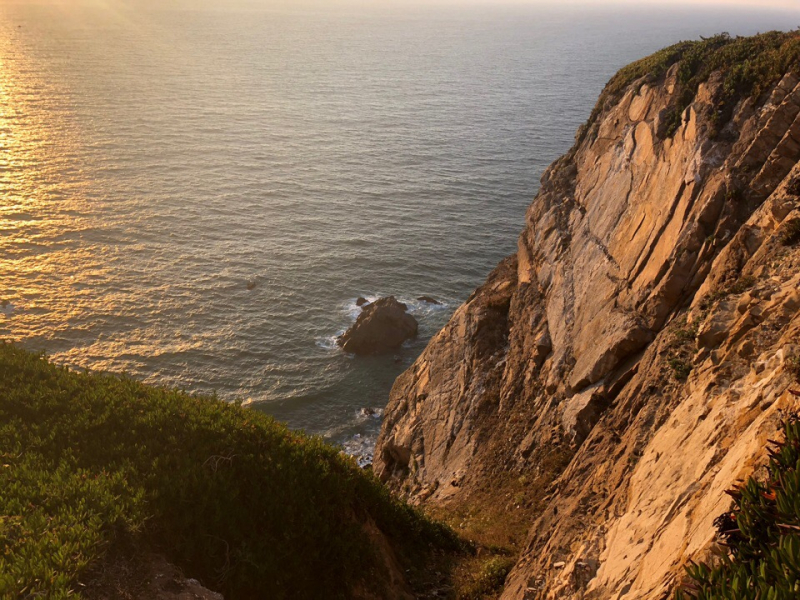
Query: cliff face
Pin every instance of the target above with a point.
(644, 328)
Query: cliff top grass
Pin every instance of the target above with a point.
(91, 461)
(749, 66)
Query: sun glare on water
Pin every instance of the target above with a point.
(44, 267)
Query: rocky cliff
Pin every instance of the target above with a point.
(628, 364)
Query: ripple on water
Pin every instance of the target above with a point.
(154, 161)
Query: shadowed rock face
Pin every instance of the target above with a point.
(381, 327)
(644, 322)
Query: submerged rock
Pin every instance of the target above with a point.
(370, 412)
(429, 300)
(381, 327)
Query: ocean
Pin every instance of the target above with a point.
(195, 193)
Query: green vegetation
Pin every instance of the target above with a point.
(685, 334)
(741, 285)
(488, 580)
(793, 366)
(496, 519)
(749, 66)
(681, 349)
(789, 234)
(794, 186)
(680, 368)
(761, 533)
(89, 462)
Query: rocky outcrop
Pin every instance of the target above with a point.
(447, 373)
(644, 324)
(640, 497)
(382, 326)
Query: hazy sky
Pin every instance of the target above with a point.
(790, 4)
(748, 3)
(790, 7)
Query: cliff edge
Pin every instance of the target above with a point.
(627, 365)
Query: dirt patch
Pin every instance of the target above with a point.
(140, 575)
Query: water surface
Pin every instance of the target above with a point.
(157, 157)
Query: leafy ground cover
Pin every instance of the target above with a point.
(90, 461)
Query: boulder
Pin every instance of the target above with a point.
(361, 301)
(381, 327)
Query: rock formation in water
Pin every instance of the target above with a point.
(643, 331)
(382, 326)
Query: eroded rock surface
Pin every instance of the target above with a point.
(644, 323)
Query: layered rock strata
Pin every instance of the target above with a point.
(645, 324)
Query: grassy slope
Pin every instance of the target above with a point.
(88, 461)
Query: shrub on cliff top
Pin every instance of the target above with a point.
(226, 493)
(750, 65)
(761, 532)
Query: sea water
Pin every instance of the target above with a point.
(196, 193)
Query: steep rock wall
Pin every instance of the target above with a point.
(645, 256)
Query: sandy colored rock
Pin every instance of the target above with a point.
(643, 322)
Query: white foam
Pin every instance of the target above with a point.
(328, 342)
(361, 447)
(368, 412)
(352, 310)
(420, 307)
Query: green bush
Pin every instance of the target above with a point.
(681, 368)
(226, 493)
(762, 535)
